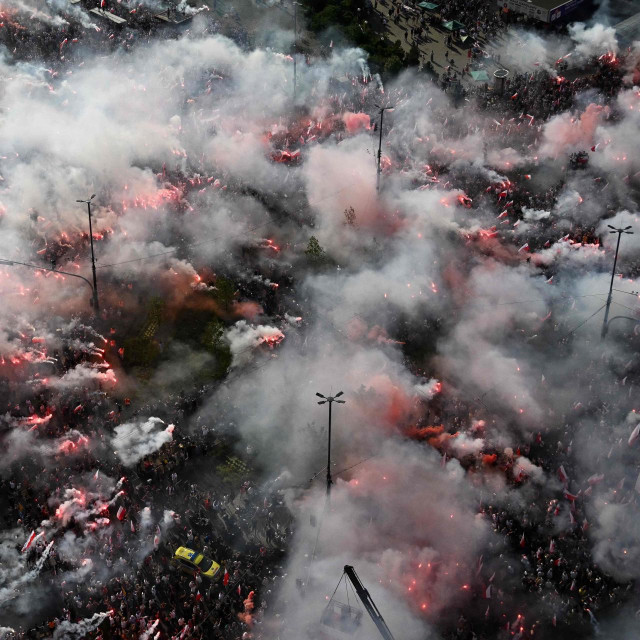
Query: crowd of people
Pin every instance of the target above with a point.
(116, 525)
(126, 566)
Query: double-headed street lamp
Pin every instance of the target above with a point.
(330, 400)
(96, 306)
(619, 231)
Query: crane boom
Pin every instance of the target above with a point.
(368, 603)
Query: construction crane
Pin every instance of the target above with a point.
(345, 618)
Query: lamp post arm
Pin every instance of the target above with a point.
(33, 266)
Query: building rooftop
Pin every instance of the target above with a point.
(629, 30)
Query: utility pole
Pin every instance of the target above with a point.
(619, 231)
(382, 110)
(330, 400)
(96, 305)
(295, 47)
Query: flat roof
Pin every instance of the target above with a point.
(629, 29)
(108, 16)
(174, 18)
(548, 5)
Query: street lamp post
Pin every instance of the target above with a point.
(295, 47)
(619, 231)
(330, 400)
(379, 171)
(96, 305)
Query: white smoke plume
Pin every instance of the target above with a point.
(594, 40)
(243, 337)
(132, 441)
(68, 630)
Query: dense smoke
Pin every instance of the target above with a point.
(462, 334)
(135, 440)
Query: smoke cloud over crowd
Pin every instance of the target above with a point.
(486, 462)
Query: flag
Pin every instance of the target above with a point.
(133, 527)
(570, 496)
(562, 474)
(634, 435)
(524, 247)
(122, 512)
(239, 590)
(487, 593)
(225, 579)
(522, 541)
(552, 546)
(95, 476)
(29, 542)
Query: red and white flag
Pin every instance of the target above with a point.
(634, 435)
(487, 593)
(225, 579)
(122, 512)
(552, 546)
(29, 541)
(562, 474)
(522, 541)
(133, 526)
(524, 247)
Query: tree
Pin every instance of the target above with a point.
(413, 57)
(314, 250)
(225, 291)
(394, 64)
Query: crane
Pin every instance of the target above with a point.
(346, 621)
(368, 603)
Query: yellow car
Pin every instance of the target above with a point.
(193, 562)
